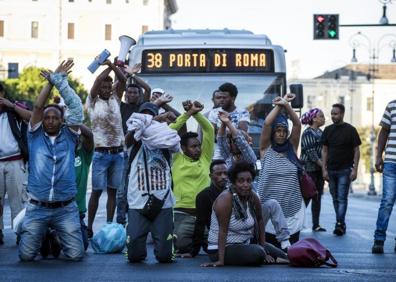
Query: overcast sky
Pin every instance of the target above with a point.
(289, 23)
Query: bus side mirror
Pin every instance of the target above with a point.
(298, 102)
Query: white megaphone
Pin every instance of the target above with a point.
(126, 44)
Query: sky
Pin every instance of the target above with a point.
(289, 23)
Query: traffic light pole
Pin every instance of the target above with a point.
(365, 25)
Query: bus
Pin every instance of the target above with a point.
(192, 64)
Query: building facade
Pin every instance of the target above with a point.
(43, 32)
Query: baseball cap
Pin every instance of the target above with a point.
(153, 108)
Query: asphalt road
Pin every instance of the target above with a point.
(353, 252)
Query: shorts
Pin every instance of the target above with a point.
(107, 170)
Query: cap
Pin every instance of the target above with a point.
(153, 108)
(157, 90)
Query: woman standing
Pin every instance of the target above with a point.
(278, 178)
(311, 156)
(236, 234)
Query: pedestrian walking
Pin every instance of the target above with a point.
(386, 141)
(340, 160)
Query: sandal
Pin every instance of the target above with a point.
(319, 229)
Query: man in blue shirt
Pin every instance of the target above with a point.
(52, 181)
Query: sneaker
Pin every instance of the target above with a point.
(318, 229)
(378, 247)
(89, 233)
(1, 237)
(339, 229)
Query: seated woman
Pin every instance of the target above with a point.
(236, 235)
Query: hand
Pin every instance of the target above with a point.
(195, 108)
(289, 97)
(167, 117)
(213, 264)
(65, 67)
(164, 99)
(187, 105)
(106, 63)
(279, 101)
(183, 255)
(269, 259)
(134, 69)
(326, 175)
(224, 117)
(6, 102)
(353, 174)
(379, 164)
(46, 74)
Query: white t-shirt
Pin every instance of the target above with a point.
(8, 145)
(106, 121)
(236, 116)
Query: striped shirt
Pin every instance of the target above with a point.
(278, 180)
(388, 122)
(239, 231)
(311, 148)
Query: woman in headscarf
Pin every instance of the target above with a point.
(311, 156)
(280, 166)
(236, 234)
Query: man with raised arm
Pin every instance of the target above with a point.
(108, 161)
(52, 180)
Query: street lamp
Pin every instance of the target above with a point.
(373, 52)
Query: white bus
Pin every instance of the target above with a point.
(191, 64)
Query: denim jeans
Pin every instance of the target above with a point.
(65, 221)
(107, 170)
(339, 188)
(387, 202)
(121, 198)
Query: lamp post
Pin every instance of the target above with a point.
(373, 52)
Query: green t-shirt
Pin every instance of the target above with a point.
(81, 164)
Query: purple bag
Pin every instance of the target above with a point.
(307, 186)
(310, 253)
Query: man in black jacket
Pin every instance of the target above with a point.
(13, 155)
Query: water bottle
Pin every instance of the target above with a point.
(99, 60)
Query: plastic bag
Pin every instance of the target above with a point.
(110, 238)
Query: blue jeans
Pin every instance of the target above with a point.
(339, 188)
(107, 170)
(121, 198)
(387, 202)
(65, 221)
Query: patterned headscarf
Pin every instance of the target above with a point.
(307, 118)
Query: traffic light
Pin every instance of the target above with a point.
(326, 26)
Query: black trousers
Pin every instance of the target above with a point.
(317, 177)
(271, 238)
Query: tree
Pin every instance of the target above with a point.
(29, 84)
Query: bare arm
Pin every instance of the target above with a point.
(21, 112)
(88, 138)
(296, 129)
(356, 158)
(133, 72)
(265, 137)
(98, 82)
(382, 140)
(324, 162)
(38, 107)
(222, 208)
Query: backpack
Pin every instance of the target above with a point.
(310, 253)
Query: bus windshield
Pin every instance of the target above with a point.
(251, 87)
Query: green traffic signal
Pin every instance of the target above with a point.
(332, 33)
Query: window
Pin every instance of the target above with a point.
(13, 70)
(145, 2)
(34, 30)
(108, 1)
(1, 28)
(70, 31)
(71, 1)
(108, 32)
(144, 28)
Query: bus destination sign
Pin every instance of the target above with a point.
(207, 60)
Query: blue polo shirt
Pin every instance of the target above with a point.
(51, 165)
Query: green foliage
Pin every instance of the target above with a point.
(30, 83)
(365, 148)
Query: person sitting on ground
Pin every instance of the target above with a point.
(190, 173)
(52, 181)
(236, 234)
(234, 146)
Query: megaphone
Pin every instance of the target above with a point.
(126, 44)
